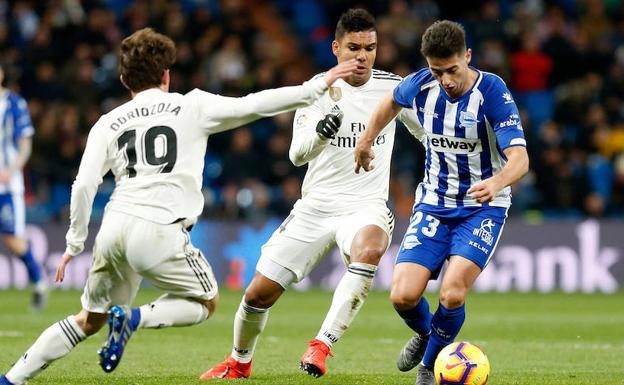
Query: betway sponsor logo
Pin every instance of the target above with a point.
(453, 145)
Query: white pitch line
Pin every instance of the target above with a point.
(11, 333)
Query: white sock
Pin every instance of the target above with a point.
(41, 286)
(249, 322)
(55, 342)
(169, 310)
(347, 302)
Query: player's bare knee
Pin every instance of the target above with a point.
(403, 301)
(17, 245)
(211, 305)
(259, 300)
(90, 323)
(254, 299)
(369, 254)
(452, 297)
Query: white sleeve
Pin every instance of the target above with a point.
(93, 167)
(221, 113)
(410, 120)
(306, 144)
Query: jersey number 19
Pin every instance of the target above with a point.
(167, 158)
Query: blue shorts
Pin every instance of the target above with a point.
(436, 233)
(12, 215)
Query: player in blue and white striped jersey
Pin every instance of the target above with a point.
(475, 150)
(16, 130)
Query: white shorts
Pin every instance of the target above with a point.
(306, 236)
(128, 249)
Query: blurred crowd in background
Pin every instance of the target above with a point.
(562, 59)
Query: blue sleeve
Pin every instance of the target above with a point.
(403, 92)
(408, 88)
(501, 111)
(23, 124)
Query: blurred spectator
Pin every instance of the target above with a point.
(530, 69)
(563, 59)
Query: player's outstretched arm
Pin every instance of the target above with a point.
(386, 110)
(516, 167)
(221, 113)
(60, 269)
(93, 167)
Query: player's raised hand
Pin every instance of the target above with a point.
(328, 126)
(342, 70)
(363, 155)
(60, 270)
(486, 190)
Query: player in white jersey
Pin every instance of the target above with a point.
(475, 151)
(337, 208)
(155, 146)
(16, 131)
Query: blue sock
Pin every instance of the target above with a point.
(34, 272)
(445, 326)
(418, 318)
(135, 318)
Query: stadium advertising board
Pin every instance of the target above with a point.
(568, 256)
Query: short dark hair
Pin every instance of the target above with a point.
(443, 39)
(143, 58)
(355, 20)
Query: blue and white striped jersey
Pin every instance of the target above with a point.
(15, 124)
(465, 137)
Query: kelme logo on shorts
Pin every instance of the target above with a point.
(453, 145)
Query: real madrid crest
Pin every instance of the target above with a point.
(335, 93)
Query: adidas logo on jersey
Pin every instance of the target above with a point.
(453, 145)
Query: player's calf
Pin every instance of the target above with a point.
(170, 310)
(418, 318)
(55, 342)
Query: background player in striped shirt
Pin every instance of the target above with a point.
(475, 150)
(16, 130)
(154, 145)
(338, 208)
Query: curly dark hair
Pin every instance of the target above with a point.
(355, 20)
(443, 39)
(143, 57)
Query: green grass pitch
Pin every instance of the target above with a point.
(530, 339)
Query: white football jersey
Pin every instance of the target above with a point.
(331, 181)
(155, 146)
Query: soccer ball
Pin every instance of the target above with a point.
(461, 363)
